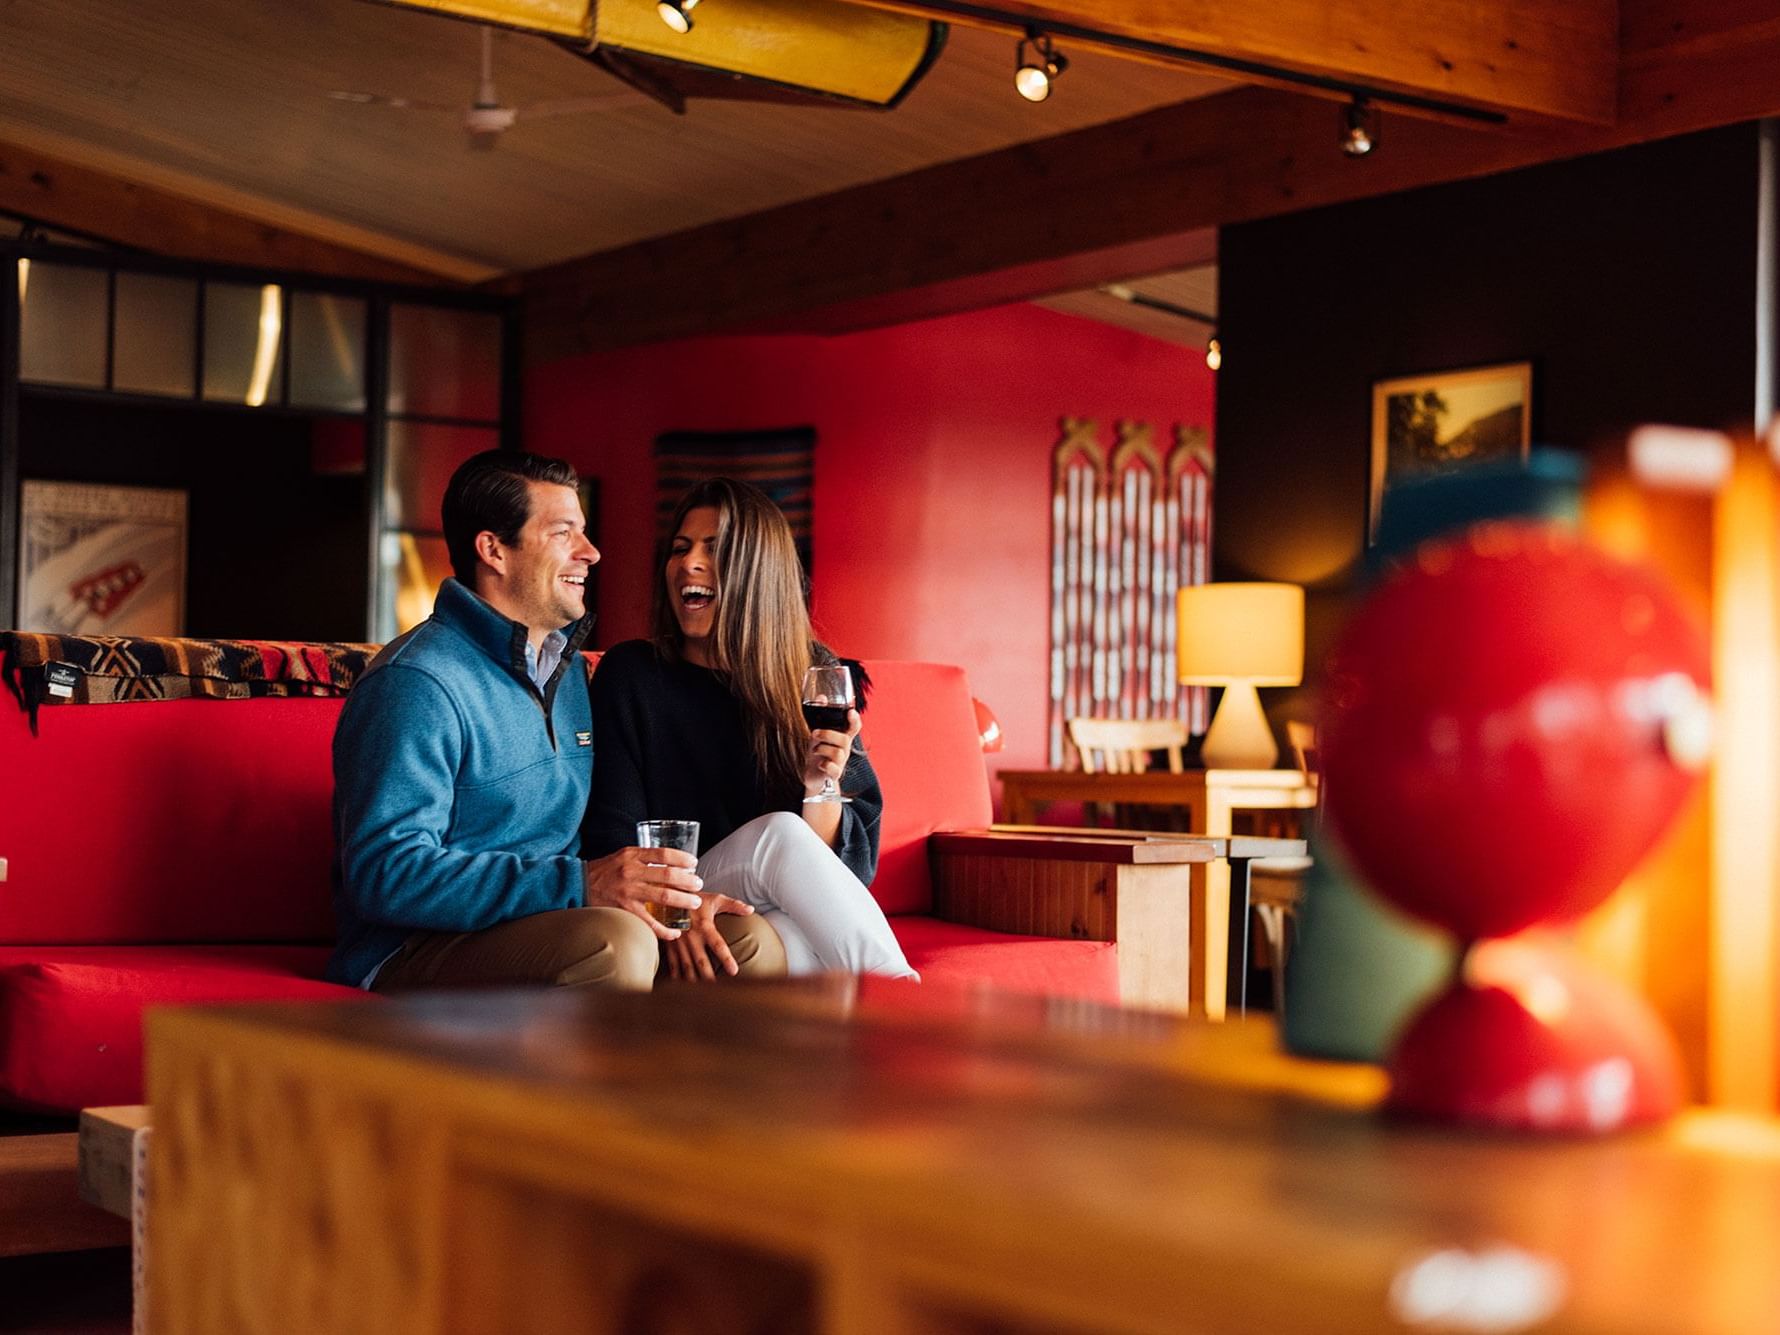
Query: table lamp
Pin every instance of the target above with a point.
(1240, 636)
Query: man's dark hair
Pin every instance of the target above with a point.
(488, 492)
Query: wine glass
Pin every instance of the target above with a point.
(827, 698)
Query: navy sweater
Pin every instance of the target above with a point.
(458, 785)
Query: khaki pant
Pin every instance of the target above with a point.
(601, 947)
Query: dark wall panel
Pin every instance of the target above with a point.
(274, 549)
(1628, 279)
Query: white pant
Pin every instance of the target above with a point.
(825, 917)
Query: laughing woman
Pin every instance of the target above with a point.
(704, 722)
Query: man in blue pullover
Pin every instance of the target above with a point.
(462, 763)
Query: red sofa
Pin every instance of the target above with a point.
(178, 851)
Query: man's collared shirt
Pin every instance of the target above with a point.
(541, 663)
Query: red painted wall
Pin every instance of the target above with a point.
(932, 504)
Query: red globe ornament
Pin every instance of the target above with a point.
(1512, 721)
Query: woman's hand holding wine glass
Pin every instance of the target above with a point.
(828, 709)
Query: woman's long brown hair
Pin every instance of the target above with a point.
(761, 642)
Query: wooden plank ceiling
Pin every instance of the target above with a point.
(626, 224)
(225, 102)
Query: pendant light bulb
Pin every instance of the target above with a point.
(1214, 352)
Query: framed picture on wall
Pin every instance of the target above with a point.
(1430, 423)
(98, 560)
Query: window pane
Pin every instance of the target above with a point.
(413, 568)
(327, 351)
(243, 335)
(422, 458)
(444, 363)
(155, 343)
(62, 327)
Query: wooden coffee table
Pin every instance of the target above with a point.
(850, 1157)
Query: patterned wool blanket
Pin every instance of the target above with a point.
(108, 669)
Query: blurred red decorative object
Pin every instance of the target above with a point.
(1512, 721)
(1514, 718)
(1532, 1039)
(988, 726)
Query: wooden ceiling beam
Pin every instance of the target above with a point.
(1133, 187)
(79, 199)
(1554, 59)
(999, 287)
(1690, 64)
(1080, 206)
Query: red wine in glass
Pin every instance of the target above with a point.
(827, 698)
(832, 718)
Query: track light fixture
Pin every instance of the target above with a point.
(1214, 353)
(1359, 128)
(677, 14)
(1037, 65)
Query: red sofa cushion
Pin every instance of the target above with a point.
(921, 734)
(948, 953)
(71, 1016)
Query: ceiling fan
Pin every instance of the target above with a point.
(486, 117)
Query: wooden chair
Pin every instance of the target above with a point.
(1301, 737)
(1123, 745)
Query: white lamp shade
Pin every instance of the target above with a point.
(1241, 633)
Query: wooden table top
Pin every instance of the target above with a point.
(1285, 780)
(1145, 1159)
(1123, 847)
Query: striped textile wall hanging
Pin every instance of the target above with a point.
(1127, 530)
(780, 462)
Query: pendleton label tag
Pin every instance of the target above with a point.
(583, 739)
(61, 679)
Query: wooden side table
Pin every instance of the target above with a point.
(1130, 887)
(1212, 796)
(114, 1176)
